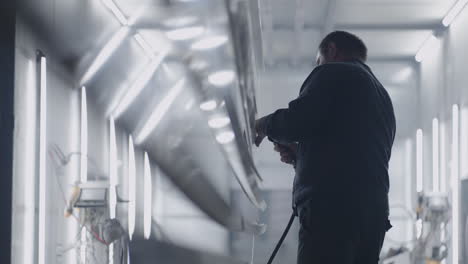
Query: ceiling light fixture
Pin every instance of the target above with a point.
(428, 47)
(185, 33)
(149, 51)
(116, 11)
(137, 87)
(160, 111)
(106, 52)
(221, 78)
(453, 12)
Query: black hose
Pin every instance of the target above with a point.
(283, 236)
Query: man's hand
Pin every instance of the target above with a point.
(259, 131)
(287, 152)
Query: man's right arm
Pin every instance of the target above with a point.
(307, 113)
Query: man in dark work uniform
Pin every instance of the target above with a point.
(338, 134)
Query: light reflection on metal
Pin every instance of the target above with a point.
(221, 78)
(219, 122)
(209, 43)
(105, 53)
(208, 105)
(160, 111)
(180, 21)
(185, 33)
(225, 137)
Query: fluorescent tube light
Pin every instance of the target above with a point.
(435, 155)
(455, 177)
(147, 217)
(42, 160)
(454, 11)
(463, 142)
(104, 55)
(131, 187)
(29, 172)
(428, 47)
(113, 180)
(116, 11)
(84, 137)
(443, 158)
(149, 51)
(138, 86)
(160, 111)
(408, 183)
(419, 160)
(83, 159)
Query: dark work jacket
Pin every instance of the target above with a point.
(344, 123)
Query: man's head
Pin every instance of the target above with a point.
(340, 46)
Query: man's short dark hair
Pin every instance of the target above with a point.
(349, 44)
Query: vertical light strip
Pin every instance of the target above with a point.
(147, 217)
(112, 179)
(29, 165)
(131, 187)
(42, 160)
(419, 160)
(464, 142)
(443, 158)
(112, 169)
(84, 137)
(74, 168)
(408, 185)
(83, 161)
(455, 177)
(435, 155)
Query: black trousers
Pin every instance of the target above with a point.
(324, 239)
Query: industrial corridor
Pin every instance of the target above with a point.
(190, 131)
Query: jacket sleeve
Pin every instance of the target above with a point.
(309, 112)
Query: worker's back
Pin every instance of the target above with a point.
(342, 166)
